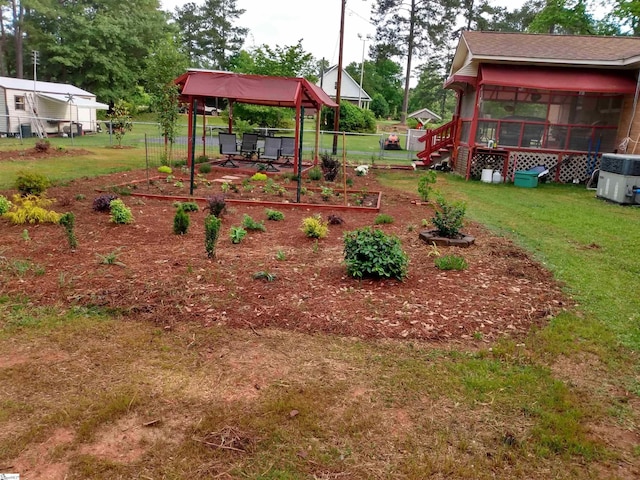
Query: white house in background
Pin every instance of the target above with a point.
(350, 90)
(45, 108)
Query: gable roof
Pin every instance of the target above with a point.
(425, 113)
(253, 89)
(349, 88)
(43, 87)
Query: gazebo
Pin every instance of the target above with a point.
(297, 93)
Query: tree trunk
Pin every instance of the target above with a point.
(3, 47)
(18, 16)
(405, 99)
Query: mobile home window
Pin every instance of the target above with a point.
(19, 102)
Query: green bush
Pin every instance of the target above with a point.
(352, 119)
(204, 168)
(165, 169)
(451, 262)
(250, 224)
(274, 215)
(187, 206)
(68, 221)
(315, 174)
(259, 177)
(5, 205)
(448, 220)
(372, 253)
(181, 222)
(211, 232)
(120, 213)
(237, 234)
(380, 106)
(314, 227)
(383, 218)
(28, 183)
(424, 184)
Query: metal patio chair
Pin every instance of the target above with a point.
(228, 147)
(271, 153)
(249, 145)
(287, 150)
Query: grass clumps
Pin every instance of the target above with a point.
(120, 213)
(451, 262)
(383, 218)
(250, 224)
(315, 174)
(68, 222)
(274, 215)
(28, 183)
(314, 227)
(204, 168)
(372, 253)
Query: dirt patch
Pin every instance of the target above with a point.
(36, 154)
(37, 463)
(168, 279)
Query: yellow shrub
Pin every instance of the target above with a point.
(314, 227)
(31, 209)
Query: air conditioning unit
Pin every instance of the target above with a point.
(619, 178)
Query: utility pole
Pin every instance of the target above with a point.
(336, 119)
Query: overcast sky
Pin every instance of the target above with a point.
(316, 22)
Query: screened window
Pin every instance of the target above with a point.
(19, 101)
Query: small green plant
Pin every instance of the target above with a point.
(316, 246)
(178, 184)
(250, 224)
(259, 177)
(314, 227)
(237, 234)
(326, 193)
(111, 258)
(212, 226)
(181, 222)
(216, 205)
(433, 250)
(451, 262)
(383, 218)
(120, 213)
(225, 187)
(280, 255)
(5, 205)
(315, 174)
(372, 253)
(274, 215)
(31, 209)
(204, 168)
(165, 169)
(448, 220)
(424, 184)
(349, 182)
(202, 159)
(29, 183)
(187, 206)
(25, 235)
(79, 197)
(264, 275)
(68, 221)
(170, 178)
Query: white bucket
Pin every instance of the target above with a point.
(496, 177)
(486, 176)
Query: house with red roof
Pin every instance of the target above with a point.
(526, 100)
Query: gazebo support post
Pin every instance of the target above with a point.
(204, 131)
(317, 146)
(299, 152)
(190, 144)
(231, 115)
(192, 165)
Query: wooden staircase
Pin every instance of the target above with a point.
(36, 121)
(438, 143)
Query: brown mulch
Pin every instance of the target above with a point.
(36, 154)
(164, 278)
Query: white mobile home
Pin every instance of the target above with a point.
(45, 108)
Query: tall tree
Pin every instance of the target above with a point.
(624, 18)
(568, 17)
(383, 77)
(405, 28)
(287, 61)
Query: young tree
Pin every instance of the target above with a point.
(120, 119)
(568, 17)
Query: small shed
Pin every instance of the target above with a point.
(46, 108)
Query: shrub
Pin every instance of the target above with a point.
(335, 219)
(326, 193)
(216, 205)
(372, 253)
(5, 205)
(330, 167)
(31, 209)
(274, 215)
(259, 177)
(211, 232)
(28, 183)
(383, 218)
(264, 275)
(250, 224)
(424, 184)
(315, 174)
(237, 234)
(187, 206)
(451, 262)
(181, 222)
(102, 203)
(204, 168)
(202, 159)
(165, 169)
(314, 227)
(120, 213)
(68, 221)
(448, 220)
(42, 146)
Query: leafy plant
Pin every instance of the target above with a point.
(178, 184)
(250, 224)
(102, 203)
(382, 219)
(202, 159)
(165, 169)
(5, 205)
(372, 253)
(237, 234)
(29, 183)
(31, 209)
(120, 119)
(225, 187)
(326, 193)
(111, 258)
(330, 167)
(264, 275)
(259, 177)
(448, 220)
(274, 215)
(181, 222)
(424, 184)
(42, 146)
(451, 262)
(315, 174)
(25, 235)
(280, 255)
(120, 213)
(212, 226)
(349, 182)
(187, 206)
(216, 205)
(204, 168)
(68, 221)
(314, 227)
(335, 219)
(79, 197)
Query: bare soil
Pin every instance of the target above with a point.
(167, 279)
